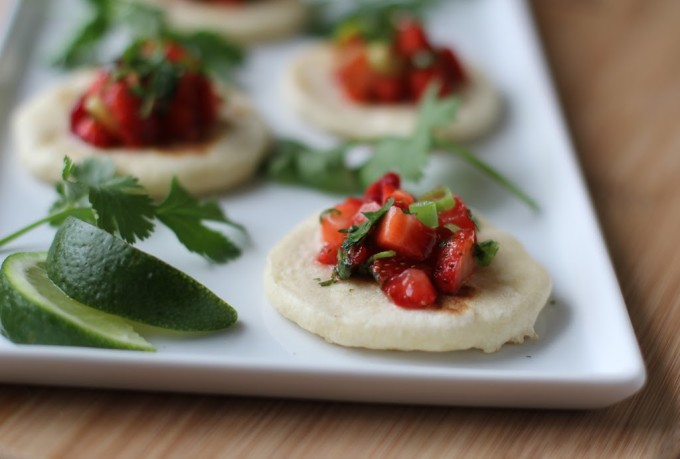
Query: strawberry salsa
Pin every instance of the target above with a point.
(155, 94)
(393, 61)
(417, 250)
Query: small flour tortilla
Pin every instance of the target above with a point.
(311, 89)
(42, 137)
(499, 304)
(253, 22)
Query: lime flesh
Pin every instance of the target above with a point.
(35, 311)
(106, 273)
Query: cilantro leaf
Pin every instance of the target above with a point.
(140, 22)
(355, 236)
(82, 47)
(123, 208)
(489, 171)
(373, 17)
(296, 163)
(328, 170)
(218, 55)
(118, 204)
(184, 214)
(409, 155)
(108, 17)
(72, 195)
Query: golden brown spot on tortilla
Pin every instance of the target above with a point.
(458, 302)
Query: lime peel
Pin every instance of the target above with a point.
(35, 311)
(106, 273)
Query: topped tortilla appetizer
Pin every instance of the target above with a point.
(156, 113)
(367, 81)
(245, 21)
(390, 271)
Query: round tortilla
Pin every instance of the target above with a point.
(230, 157)
(254, 22)
(311, 89)
(499, 303)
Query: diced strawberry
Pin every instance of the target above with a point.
(420, 79)
(389, 89)
(378, 189)
(402, 198)
(78, 112)
(126, 109)
(100, 81)
(412, 289)
(360, 216)
(357, 254)
(208, 103)
(411, 38)
(459, 216)
(384, 269)
(339, 218)
(356, 77)
(405, 234)
(451, 67)
(93, 133)
(182, 117)
(328, 254)
(455, 261)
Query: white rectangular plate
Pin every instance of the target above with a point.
(586, 357)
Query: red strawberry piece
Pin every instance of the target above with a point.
(412, 289)
(328, 255)
(357, 254)
(389, 89)
(182, 117)
(356, 77)
(208, 104)
(341, 217)
(405, 234)
(384, 185)
(78, 112)
(94, 133)
(459, 216)
(360, 216)
(411, 38)
(135, 131)
(402, 198)
(383, 269)
(451, 67)
(455, 261)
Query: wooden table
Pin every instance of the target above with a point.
(617, 69)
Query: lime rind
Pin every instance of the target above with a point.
(106, 273)
(33, 310)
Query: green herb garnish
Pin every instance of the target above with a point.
(329, 170)
(143, 22)
(92, 192)
(485, 252)
(355, 236)
(373, 19)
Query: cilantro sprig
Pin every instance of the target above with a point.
(330, 171)
(371, 18)
(138, 21)
(91, 191)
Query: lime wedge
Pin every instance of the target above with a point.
(35, 311)
(106, 273)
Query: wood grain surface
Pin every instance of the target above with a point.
(616, 65)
